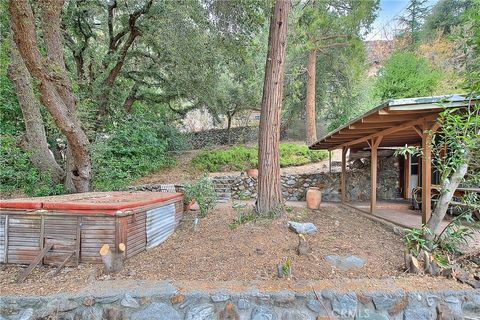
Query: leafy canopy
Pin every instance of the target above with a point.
(405, 75)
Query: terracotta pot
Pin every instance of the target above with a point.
(252, 173)
(314, 198)
(188, 206)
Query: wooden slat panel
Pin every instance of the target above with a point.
(95, 232)
(136, 234)
(23, 238)
(60, 228)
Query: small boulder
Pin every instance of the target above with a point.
(302, 228)
(346, 263)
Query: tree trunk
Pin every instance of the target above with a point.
(269, 185)
(55, 90)
(311, 133)
(130, 100)
(446, 195)
(229, 126)
(37, 144)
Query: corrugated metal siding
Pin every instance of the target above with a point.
(95, 232)
(23, 238)
(136, 234)
(62, 228)
(160, 224)
(2, 238)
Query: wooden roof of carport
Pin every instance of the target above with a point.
(399, 122)
(394, 123)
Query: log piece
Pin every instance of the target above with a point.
(112, 261)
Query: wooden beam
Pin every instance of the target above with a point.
(372, 125)
(355, 131)
(34, 263)
(387, 131)
(373, 173)
(343, 175)
(418, 131)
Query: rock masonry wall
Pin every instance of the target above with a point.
(166, 303)
(295, 186)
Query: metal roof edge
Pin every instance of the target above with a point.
(402, 102)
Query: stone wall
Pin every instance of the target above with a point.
(144, 300)
(218, 137)
(295, 186)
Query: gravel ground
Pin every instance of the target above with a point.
(214, 252)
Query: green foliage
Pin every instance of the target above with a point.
(130, 149)
(405, 75)
(17, 173)
(471, 35)
(445, 16)
(415, 240)
(241, 157)
(287, 267)
(243, 215)
(414, 17)
(457, 232)
(203, 192)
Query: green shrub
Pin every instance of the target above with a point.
(17, 172)
(131, 149)
(241, 158)
(203, 192)
(405, 75)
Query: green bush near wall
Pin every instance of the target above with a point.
(241, 158)
(18, 174)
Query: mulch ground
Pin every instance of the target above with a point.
(213, 252)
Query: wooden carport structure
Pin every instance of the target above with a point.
(395, 123)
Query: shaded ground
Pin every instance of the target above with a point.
(249, 253)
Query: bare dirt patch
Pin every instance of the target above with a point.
(214, 252)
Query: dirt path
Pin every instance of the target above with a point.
(178, 174)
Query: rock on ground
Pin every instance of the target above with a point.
(303, 228)
(346, 263)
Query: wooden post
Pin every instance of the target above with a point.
(330, 161)
(343, 175)
(406, 176)
(426, 176)
(373, 173)
(428, 132)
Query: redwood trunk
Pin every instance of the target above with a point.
(269, 185)
(36, 143)
(311, 128)
(55, 93)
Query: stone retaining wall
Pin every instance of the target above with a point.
(219, 137)
(295, 186)
(167, 303)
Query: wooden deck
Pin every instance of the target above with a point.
(398, 212)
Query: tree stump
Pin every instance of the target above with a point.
(112, 261)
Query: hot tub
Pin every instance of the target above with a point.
(80, 224)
